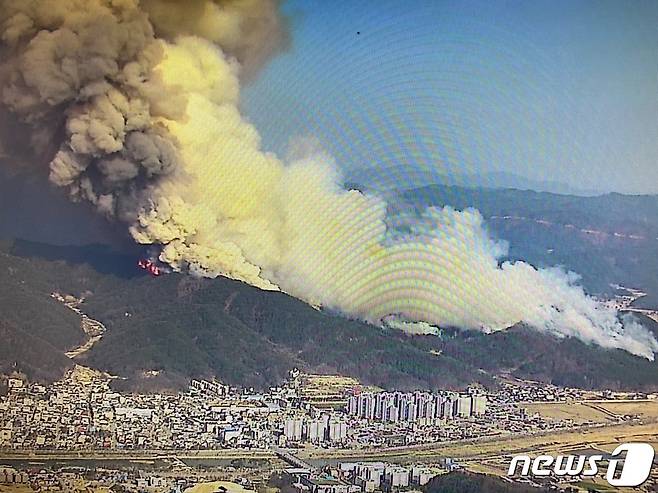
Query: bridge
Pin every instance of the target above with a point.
(291, 459)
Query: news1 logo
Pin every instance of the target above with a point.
(629, 465)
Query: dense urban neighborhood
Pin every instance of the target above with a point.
(83, 414)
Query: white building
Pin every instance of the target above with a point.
(463, 406)
(317, 431)
(421, 475)
(396, 477)
(478, 405)
(337, 431)
(293, 429)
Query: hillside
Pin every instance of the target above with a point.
(607, 239)
(162, 331)
(30, 354)
(185, 327)
(529, 354)
(35, 329)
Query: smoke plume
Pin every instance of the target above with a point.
(136, 105)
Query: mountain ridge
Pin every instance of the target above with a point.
(162, 331)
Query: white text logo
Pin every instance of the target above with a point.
(634, 468)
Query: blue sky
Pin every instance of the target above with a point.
(551, 90)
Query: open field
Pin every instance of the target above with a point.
(594, 411)
(326, 391)
(604, 439)
(326, 384)
(493, 457)
(645, 410)
(578, 412)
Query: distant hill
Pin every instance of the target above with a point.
(181, 327)
(403, 177)
(607, 239)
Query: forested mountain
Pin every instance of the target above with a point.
(607, 239)
(163, 330)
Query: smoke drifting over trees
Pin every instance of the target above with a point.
(135, 106)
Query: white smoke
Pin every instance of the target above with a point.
(147, 96)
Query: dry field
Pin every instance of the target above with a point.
(594, 411)
(605, 438)
(323, 385)
(645, 410)
(578, 412)
(326, 391)
(493, 454)
(493, 457)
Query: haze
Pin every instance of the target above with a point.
(551, 91)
